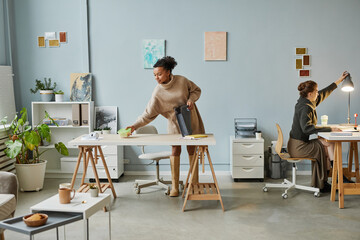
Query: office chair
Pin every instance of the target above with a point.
(287, 184)
(154, 156)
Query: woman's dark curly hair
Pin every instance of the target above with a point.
(167, 63)
(306, 87)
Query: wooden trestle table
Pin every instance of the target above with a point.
(90, 150)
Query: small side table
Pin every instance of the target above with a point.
(55, 220)
(82, 203)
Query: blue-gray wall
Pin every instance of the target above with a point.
(258, 79)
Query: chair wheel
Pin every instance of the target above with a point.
(136, 185)
(265, 189)
(284, 195)
(137, 190)
(317, 194)
(167, 192)
(181, 186)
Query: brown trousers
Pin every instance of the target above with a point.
(311, 149)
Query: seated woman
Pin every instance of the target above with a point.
(304, 124)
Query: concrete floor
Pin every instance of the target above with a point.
(249, 214)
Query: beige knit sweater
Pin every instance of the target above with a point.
(166, 97)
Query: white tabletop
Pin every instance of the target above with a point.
(91, 205)
(327, 135)
(144, 139)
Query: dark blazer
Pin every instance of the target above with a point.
(305, 117)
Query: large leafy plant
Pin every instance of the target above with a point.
(25, 140)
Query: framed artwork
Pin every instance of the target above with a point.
(215, 46)
(80, 87)
(304, 73)
(106, 117)
(301, 51)
(63, 37)
(306, 60)
(54, 43)
(153, 49)
(299, 64)
(41, 41)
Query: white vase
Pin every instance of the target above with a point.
(46, 95)
(31, 176)
(59, 97)
(106, 131)
(94, 192)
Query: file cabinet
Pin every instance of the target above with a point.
(246, 158)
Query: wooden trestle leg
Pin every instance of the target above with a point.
(201, 191)
(87, 154)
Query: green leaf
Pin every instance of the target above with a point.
(45, 132)
(62, 149)
(23, 113)
(32, 139)
(13, 148)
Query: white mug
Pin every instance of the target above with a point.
(324, 120)
(258, 135)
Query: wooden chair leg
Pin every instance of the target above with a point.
(2, 236)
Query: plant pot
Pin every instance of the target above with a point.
(59, 97)
(106, 131)
(46, 95)
(94, 192)
(31, 176)
(98, 132)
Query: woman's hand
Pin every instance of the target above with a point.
(190, 105)
(343, 76)
(336, 129)
(132, 128)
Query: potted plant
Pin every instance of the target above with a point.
(23, 145)
(106, 130)
(45, 88)
(94, 190)
(59, 96)
(98, 130)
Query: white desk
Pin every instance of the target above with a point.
(144, 139)
(337, 174)
(87, 146)
(90, 206)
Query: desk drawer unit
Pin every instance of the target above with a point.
(247, 158)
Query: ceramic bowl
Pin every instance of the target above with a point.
(35, 223)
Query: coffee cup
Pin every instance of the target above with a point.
(258, 134)
(65, 195)
(324, 120)
(65, 185)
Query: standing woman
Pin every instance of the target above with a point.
(172, 91)
(304, 124)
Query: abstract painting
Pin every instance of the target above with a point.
(41, 41)
(299, 64)
(63, 37)
(106, 117)
(80, 87)
(54, 43)
(153, 49)
(215, 46)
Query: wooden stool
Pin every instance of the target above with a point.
(86, 153)
(201, 191)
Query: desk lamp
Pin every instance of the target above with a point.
(348, 86)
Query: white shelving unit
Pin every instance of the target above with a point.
(60, 166)
(246, 158)
(61, 133)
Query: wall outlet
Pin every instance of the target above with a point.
(126, 161)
